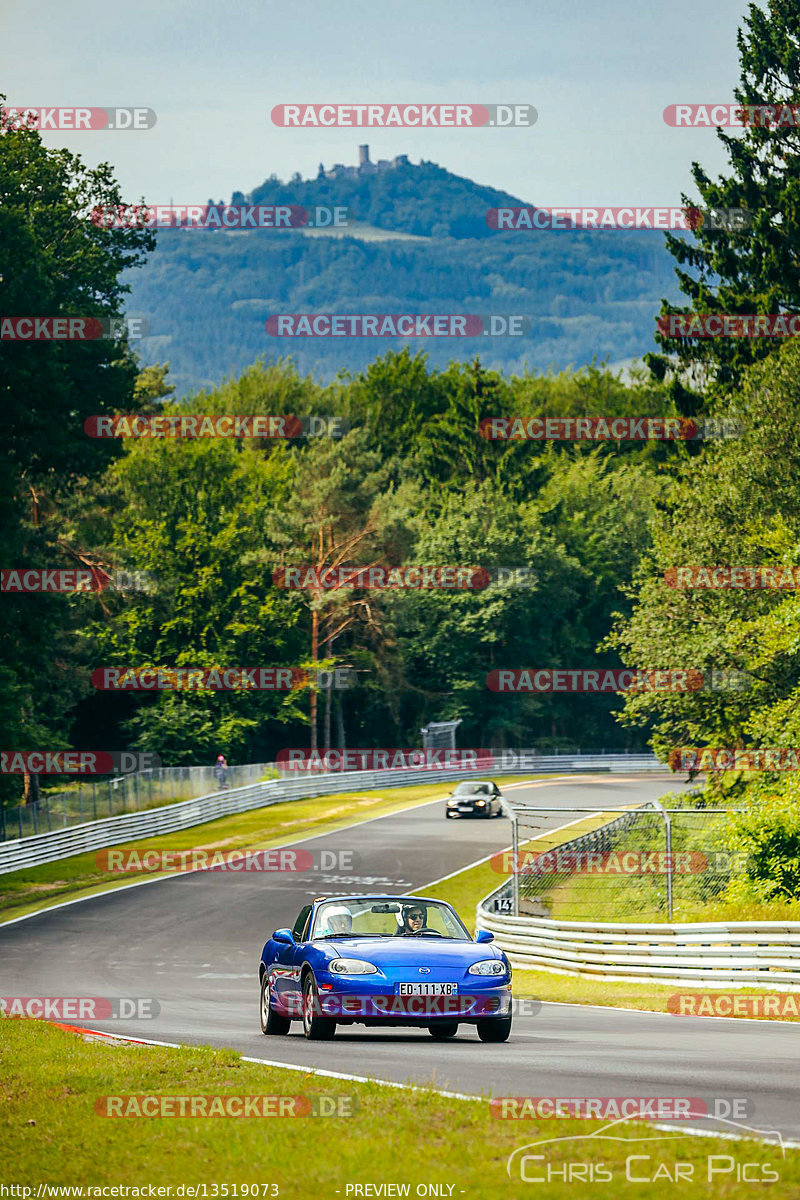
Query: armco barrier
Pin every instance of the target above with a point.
(719, 954)
(93, 835)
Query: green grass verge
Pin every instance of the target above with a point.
(50, 1132)
(464, 891)
(36, 888)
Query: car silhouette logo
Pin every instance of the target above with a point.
(424, 970)
(664, 1134)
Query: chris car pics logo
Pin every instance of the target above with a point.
(579, 1158)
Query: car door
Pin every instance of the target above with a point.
(297, 953)
(284, 965)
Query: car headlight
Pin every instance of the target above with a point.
(352, 966)
(488, 966)
(479, 803)
(452, 800)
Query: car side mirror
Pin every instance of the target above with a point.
(483, 935)
(285, 936)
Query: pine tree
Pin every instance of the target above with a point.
(753, 269)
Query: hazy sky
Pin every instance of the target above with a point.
(599, 75)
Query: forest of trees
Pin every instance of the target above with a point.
(599, 525)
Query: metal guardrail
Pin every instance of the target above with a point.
(92, 798)
(735, 953)
(110, 831)
(715, 953)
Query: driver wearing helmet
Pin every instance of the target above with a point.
(337, 919)
(413, 920)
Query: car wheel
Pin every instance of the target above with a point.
(271, 1022)
(447, 1029)
(315, 1026)
(496, 1030)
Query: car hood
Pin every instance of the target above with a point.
(419, 951)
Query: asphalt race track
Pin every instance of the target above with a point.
(193, 943)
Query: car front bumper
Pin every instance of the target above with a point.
(379, 1005)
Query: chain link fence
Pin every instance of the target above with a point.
(90, 799)
(646, 864)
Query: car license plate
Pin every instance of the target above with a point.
(465, 808)
(426, 989)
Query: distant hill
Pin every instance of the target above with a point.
(420, 243)
(424, 200)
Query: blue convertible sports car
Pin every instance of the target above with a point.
(383, 960)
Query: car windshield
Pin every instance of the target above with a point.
(366, 916)
(472, 789)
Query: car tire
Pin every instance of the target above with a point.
(316, 1027)
(271, 1022)
(441, 1033)
(496, 1030)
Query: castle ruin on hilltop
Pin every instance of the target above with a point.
(365, 167)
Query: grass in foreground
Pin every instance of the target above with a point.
(51, 1133)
